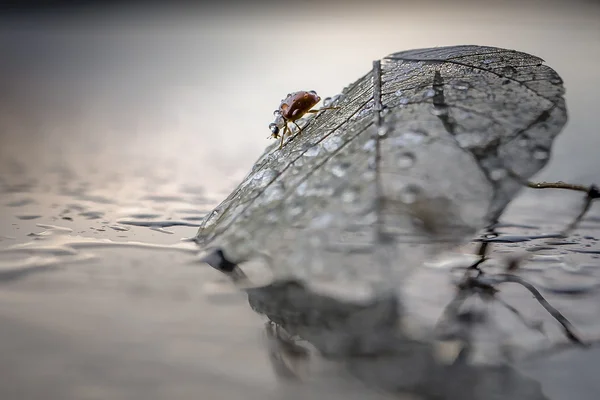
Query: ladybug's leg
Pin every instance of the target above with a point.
(285, 129)
(287, 357)
(298, 126)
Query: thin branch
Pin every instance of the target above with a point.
(592, 193)
(557, 185)
(586, 207)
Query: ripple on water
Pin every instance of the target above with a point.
(119, 228)
(57, 246)
(144, 215)
(21, 202)
(161, 230)
(164, 198)
(522, 238)
(28, 217)
(192, 189)
(567, 279)
(157, 223)
(92, 214)
(194, 218)
(93, 198)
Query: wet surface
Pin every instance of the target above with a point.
(102, 296)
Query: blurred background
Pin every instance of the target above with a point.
(129, 122)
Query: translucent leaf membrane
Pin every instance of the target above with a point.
(425, 150)
(413, 162)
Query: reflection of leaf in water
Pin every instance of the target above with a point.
(413, 162)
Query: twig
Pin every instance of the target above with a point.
(592, 195)
(557, 185)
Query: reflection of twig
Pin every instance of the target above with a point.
(535, 326)
(452, 308)
(567, 326)
(558, 348)
(486, 286)
(451, 311)
(472, 283)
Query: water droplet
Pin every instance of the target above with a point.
(274, 129)
(264, 176)
(277, 113)
(461, 85)
(408, 138)
(429, 93)
(383, 130)
(404, 100)
(323, 191)
(439, 111)
(332, 143)
(322, 221)
(293, 212)
(540, 155)
(398, 92)
(272, 217)
(369, 175)
(339, 170)
(349, 196)
(313, 151)
(275, 192)
(406, 160)
(369, 219)
(363, 113)
(327, 102)
(498, 174)
(302, 188)
(338, 98)
(211, 219)
(279, 121)
(488, 61)
(409, 193)
(468, 139)
(372, 163)
(370, 145)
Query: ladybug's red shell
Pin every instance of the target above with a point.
(295, 105)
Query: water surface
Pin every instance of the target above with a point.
(120, 130)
